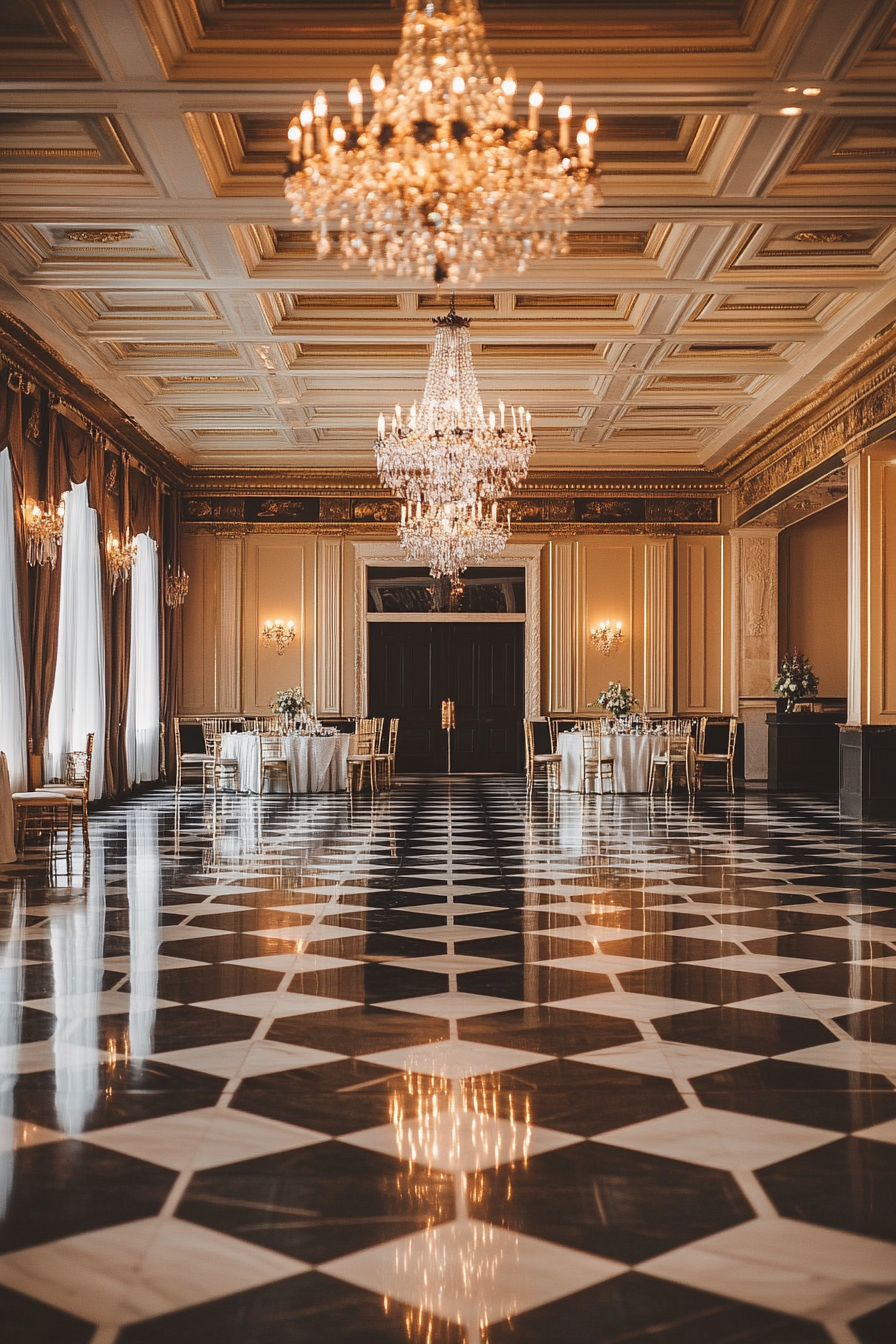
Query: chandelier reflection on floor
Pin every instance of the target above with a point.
(449, 466)
(443, 180)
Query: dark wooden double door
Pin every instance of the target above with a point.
(414, 666)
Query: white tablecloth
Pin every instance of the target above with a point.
(7, 826)
(316, 764)
(631, 756)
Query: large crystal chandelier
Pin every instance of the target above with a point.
(443, 179)
(448, 464)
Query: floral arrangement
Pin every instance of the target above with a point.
(291, 702)
(795, 680)
(616, 699)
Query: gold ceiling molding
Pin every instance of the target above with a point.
(855, 401)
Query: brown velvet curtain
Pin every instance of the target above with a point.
(115, 516)
(145, 503)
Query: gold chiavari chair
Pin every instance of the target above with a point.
(47, 812)
(387, 758)
(362, 758)
(274, 765)
(197, 756)
(677, 755)
(726, 758)
(547, 762)
(219, 769)
(76, 784)
(596, 766)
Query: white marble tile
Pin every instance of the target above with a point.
(174, 933)
(160, 962)
(790, 1004)
(666, 1059)
(16, 1134)
(449, 907)
(787, 1266)
(447, 963)
(483, 1274)
(704, 907)
(460, 1140)
(859, 933)
(601, 963)
(198, 1140)
(452, 889)
(727, 933)
(715, 1138)
(205, 908)
(885, 1132)
(134, 1271)
(454, 1004)
(274, 1004)
(761, 963)
(308, 933)
(297, 962)
(94, 1005)
(245, 1059)
(854, 1056)
(210, 889)
(455, 1059)
(591, 933)
(449, 933)
(636, 1007)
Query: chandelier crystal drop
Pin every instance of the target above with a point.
(449, 537)
(120, 558)
(443, 179)
(445, 451)
(43, 530)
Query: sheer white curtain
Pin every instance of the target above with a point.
(78, 706)
(12, 680)
(142, 728)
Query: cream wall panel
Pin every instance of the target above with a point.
(279, 585)
(562, 628)
(658, 632)
(611, 587)
(702, 626)
(882, 584)
(813, 589)
(197, 689)
(328, 649)
(228, 690)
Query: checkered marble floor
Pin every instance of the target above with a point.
(451, 1066)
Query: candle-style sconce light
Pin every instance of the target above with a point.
(43, 530)
(278, 635)
(605, 636)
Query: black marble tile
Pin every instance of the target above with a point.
(180, 1028)
(111, 1093)
(60, 1189)
(311, 1308)
(335, 1098)
(816, 948)
(548, 1031)
(700, 984)
(847, 1185)
(196, 984)
(739, 1029)
(532, 983)
(636, 1307)
(800, 1093)
(27, 1321)
(370, 982)
(667, 948)
(607, 1201)
(320, 1202)
(846, 981)
(584, 1098)
(365, 1030)
(787, 921)
(876, 1327)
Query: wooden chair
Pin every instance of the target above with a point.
(274, 765)
(676, 755)
(361, 759)
(726, 758)
(387, 758)
(196, 756)
(48, 811)
(546, 761)
(76, 784)
(595, 765)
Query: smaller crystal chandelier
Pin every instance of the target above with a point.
(445, 178)
(606, 636)
(43, 529)
(177, 585)
(120, 558)
(449, 537)
(278, 635)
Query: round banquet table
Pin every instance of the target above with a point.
(631, 757)
(7, 825)
(316, 764)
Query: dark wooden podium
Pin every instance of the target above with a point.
(804, 752)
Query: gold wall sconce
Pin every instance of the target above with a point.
(43, 529)
(278, 635)
(605, 636)
(120, 557)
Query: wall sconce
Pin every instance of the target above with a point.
(606, 636)
(278, 635)
(177, 585)
(120, 558)
(43, 528)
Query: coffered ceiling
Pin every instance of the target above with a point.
(740, 257)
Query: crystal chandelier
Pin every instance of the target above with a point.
(120, 558)
(449, 537)
(43, 530)
(447, 453)
(443, 180)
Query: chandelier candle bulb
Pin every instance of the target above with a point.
(536, 99)
(564, 114)
(356, 103)
(377, 80)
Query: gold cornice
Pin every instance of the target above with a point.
(858, 398)
(324, 482)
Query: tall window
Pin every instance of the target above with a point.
(142, 740)
(78, 706)
(12, 681)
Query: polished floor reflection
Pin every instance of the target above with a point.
(452, 1066)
